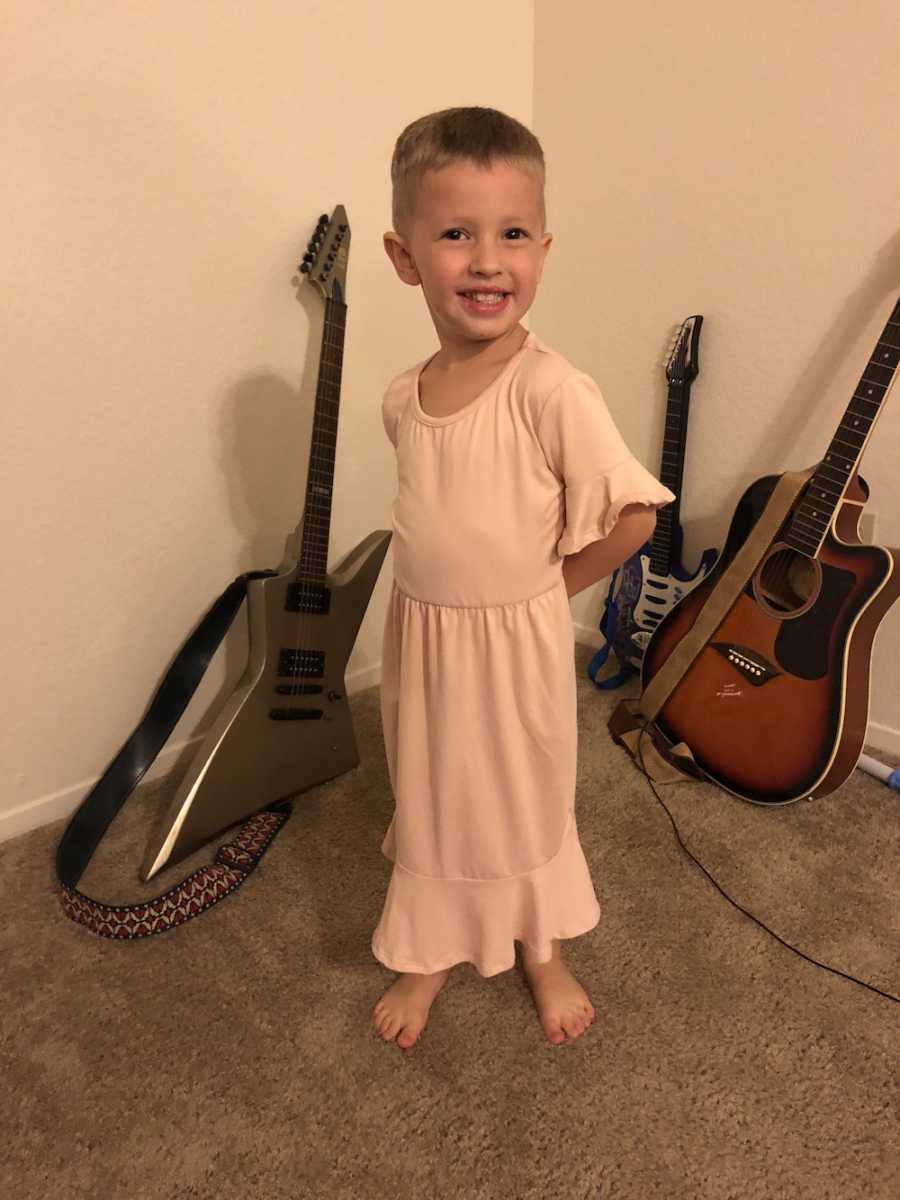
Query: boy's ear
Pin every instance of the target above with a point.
(396, 250)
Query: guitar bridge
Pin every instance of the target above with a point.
(751, 665)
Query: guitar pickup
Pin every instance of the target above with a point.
(751, 665)
(307, 598)
(295, 714)
(310, 663)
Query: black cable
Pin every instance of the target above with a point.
(639, 759)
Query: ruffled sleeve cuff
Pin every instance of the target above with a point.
(593, 507)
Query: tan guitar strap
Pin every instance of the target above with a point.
(633, 717)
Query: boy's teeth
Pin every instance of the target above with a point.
(485, 297)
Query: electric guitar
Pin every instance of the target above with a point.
(287, 726)
(653, 579)
(774, 707)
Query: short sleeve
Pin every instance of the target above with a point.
(588, 454)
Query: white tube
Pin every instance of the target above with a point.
(880, 771)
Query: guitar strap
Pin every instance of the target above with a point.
(234, 861)
(632, 718)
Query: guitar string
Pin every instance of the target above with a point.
(639, 759)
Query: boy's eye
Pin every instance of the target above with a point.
(515, 229)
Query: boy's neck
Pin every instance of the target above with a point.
(463, 356)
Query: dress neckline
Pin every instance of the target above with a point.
(427, 419)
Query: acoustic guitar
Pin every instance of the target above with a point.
(654, 579)
(775, 705)
(287, 726)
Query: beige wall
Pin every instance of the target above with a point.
(738, 161)
(168, 164)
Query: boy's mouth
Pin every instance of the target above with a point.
(482, 294)
(484, 302)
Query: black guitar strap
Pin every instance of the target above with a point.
(234, 861)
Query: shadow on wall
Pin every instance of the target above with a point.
(265, 430)
(265, 436)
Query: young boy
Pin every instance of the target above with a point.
(478, 690)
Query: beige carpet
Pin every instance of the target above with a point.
(235, 1056)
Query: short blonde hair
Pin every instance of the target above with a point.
(479, 135)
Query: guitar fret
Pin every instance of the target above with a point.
(817, 525)
(841, 442)
(882, 375)
(811, 547)
(819, 485)
(826, 466)
(876, 404)
(805, 544)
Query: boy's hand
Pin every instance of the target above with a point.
(598, 559)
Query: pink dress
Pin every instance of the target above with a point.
(478, 669)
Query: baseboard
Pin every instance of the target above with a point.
(883, 737)
(54, 807)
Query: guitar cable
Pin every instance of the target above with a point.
(639, 759)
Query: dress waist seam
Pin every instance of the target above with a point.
(480, 607)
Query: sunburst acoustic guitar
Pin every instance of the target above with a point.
(775, 705)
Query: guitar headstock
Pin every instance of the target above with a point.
(325, 260)
(684, 361)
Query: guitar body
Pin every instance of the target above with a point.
(287, 725)
(774, 707)
(644, 597)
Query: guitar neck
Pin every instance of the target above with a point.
(313, 555)
(826, 489)
(666, 542)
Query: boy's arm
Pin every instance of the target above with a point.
(598, 559)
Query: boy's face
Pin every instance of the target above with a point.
(473, 227)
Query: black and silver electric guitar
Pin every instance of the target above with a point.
(287, 726)
(654, 579)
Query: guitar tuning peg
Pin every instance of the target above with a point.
(323, 220)
(303, 268)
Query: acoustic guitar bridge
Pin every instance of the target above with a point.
(751, 665)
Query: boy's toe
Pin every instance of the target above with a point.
(573, 1024)
(554, 1032)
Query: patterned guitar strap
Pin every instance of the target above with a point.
(234, 861)
(632, 719)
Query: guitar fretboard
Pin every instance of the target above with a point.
(671, 473)
(825, 490)
(312, 561)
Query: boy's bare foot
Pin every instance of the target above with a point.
(562, 1003)
(402, 1011)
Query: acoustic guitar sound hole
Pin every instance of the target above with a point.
(787, 583)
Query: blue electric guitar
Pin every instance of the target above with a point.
(653, 579)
